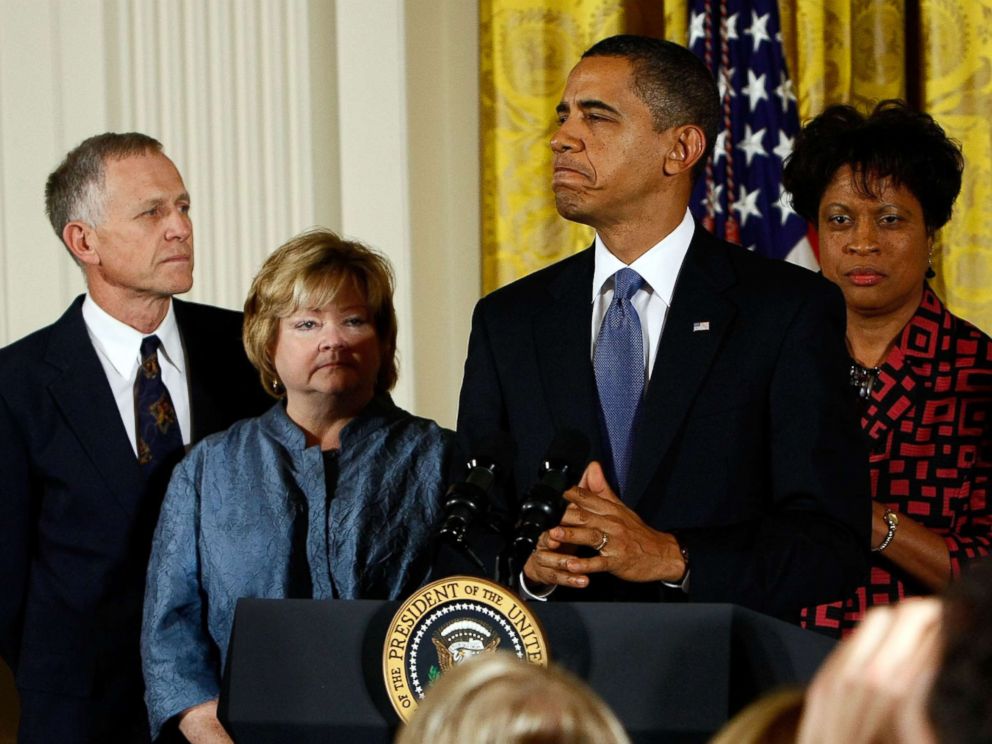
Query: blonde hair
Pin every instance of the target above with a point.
(500, 699)
(772, 719)
(308, 271)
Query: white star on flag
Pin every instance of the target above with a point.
(784, 204)
(785, 92)
(725, 83)
(755, 89)
(784, 147)
(730, 27)
(719, 147)
(747, 204)
(714, 198)
(751, 144)
(758, 30)
(697, 30)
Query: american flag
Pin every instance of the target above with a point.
(740, 197)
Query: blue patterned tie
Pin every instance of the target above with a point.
(619, 365)
(159, 440)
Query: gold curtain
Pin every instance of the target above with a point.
(844, 52)
(956, 51)
(935, 53)
(526, 51)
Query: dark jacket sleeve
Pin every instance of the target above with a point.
(15, 518)
(480, 405)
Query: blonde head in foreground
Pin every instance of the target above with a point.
(500, 699)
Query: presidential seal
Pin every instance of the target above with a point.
(449, 621)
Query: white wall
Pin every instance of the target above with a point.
(53, 91)
(442, 79)
(360, 115)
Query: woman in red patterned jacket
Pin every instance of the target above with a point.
(878, 188)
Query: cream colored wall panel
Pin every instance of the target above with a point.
(372, 122)
(51, 92)
(325, 164)
(443, 136)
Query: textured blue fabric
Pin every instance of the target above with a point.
(226, 529)
(619, 365)
(160, 443)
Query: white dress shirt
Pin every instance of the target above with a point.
(659, 267)
(118, 347)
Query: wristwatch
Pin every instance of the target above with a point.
(682, 583)
(892, 520)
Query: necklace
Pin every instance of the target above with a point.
(864, 379)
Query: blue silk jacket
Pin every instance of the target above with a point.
(227, 524)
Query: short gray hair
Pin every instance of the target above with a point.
(74, 190)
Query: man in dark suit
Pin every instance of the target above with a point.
(81, 480)
(736, 456)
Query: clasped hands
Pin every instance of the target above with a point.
(596, 518)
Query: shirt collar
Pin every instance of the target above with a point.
(122, 344)
(659, 266)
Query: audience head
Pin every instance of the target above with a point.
(915, 672)
(893, 145)
(772, 719)
(309, 271)
(500, 699)
(960, 706)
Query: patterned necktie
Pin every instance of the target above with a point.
(619, 365)
(159, 440)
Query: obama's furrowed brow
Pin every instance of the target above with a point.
(587, 104)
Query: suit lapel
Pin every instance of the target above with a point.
(562, 340)
(82, 393)
(694, 329)
(205, 415)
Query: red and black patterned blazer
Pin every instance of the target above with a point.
(929, 427)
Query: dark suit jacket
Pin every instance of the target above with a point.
(746, 446)
(76, 518)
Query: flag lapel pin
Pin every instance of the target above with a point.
(700, 325)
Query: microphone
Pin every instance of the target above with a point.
(467, 500)
(544, 505)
